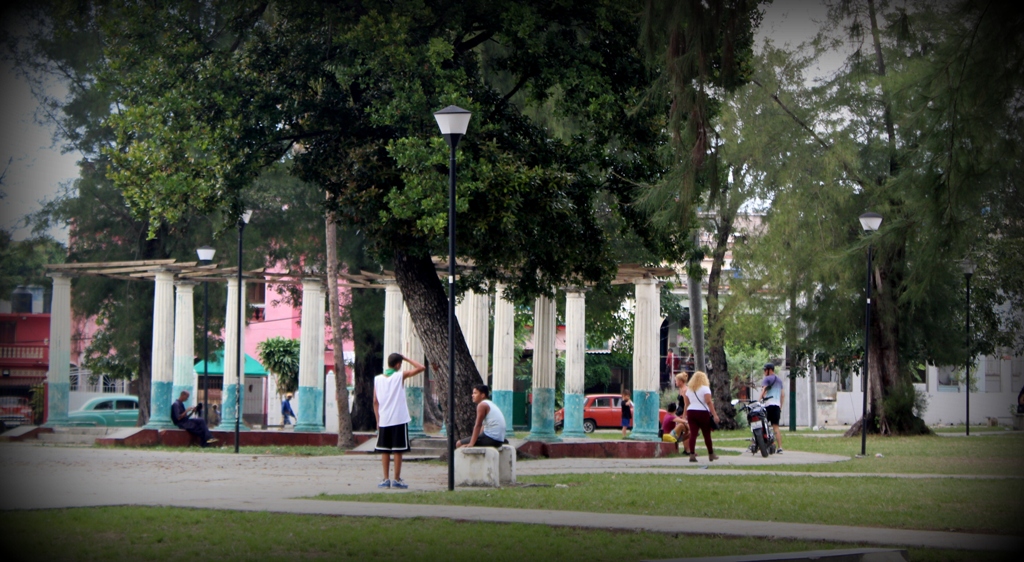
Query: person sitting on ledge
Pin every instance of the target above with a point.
(489, 429)
(195, 426)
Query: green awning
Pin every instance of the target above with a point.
(253, 368)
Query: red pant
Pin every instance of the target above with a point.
(699, 419)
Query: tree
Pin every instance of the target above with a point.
(901, 129)
(210, 96)
(703, 50)
(281, 357)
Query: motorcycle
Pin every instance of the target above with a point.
(764, 438)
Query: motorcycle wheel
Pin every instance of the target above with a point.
(761, 445)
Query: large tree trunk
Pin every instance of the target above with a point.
(145, 374)
(721, 383)
(428, 305)
(345, 438)
(369, 364)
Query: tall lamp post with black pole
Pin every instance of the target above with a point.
(242, 221)
(453, 122)
(870, 222)
(206, 254)
(967, 266)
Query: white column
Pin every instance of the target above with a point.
(58, 379)
(412, 347)
(474, 319)
(646, 328)
(162, 371)
(393, 305)
(575, 356)
(232, 343)
(311, 359)
(542, 427)
(184, 342)
(504, 354)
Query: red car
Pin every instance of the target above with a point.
(14, 411)
(600, 410)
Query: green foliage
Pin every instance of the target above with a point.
(21, 262)
(281, 356)
(904, 409)
(38, 403)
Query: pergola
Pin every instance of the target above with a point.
(173, 329)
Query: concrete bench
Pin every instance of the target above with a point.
(485, 466)
(839, 555)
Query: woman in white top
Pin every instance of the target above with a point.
(489, 429)
(700, 408)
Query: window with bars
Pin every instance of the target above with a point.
(993, 374)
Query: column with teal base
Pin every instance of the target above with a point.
(575, 353)
(232, 343)
(504, 356)
(58, 379)
(646, 330)
(412, 347)
(311, 359)
(162, 382)
(543, 411)
(184, 345)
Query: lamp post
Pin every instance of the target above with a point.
(206, 254)
(967, 266)
(453, 122)
(242, 221)
(870, 222)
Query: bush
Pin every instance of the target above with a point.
(904, 407)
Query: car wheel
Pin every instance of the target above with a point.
(589, 426)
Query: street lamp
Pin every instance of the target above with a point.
(453, 122)
(242, 221)
(870, 222)
(206, 254)
(967, 266)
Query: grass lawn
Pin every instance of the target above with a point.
(152, 533)
(1000, 455)
(984, 506)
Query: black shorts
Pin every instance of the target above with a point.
(393, 439)
(483, 441)
(774, 414)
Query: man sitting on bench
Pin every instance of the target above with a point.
(489, 429)
(195, 426)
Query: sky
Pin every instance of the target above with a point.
(38, 170)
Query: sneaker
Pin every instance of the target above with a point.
(211, 441)
(778, 451)
(385, 483)
(400, 484)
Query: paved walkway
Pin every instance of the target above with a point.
(54, 477)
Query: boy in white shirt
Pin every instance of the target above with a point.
(392, 413)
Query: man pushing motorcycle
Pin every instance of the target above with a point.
(771, 395)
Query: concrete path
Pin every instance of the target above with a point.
(37, 477)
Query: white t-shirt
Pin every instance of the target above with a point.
(494, 422)
(696, 403)
(392, 406)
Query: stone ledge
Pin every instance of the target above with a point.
(140, 437)
(596, 449)
(23, 432)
